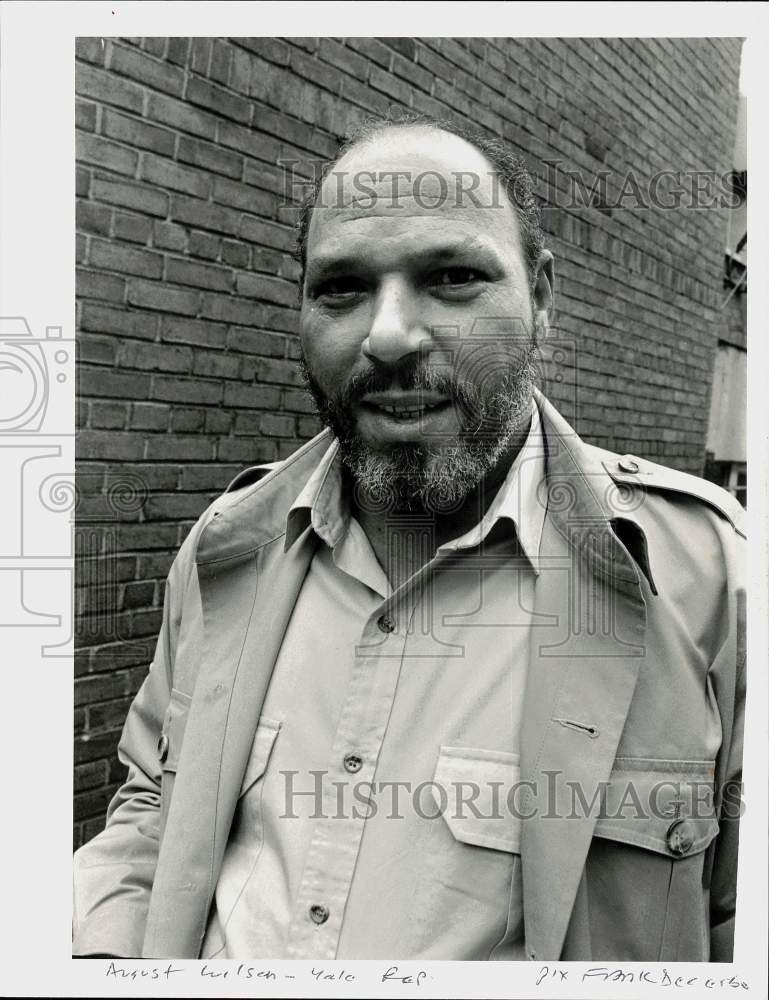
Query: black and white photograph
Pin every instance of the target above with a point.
(413, 554)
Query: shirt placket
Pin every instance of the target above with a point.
(330, 863)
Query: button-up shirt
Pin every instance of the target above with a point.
(376, 816)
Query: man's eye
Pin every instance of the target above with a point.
(339, 289)
(453, 276)
(457, 282)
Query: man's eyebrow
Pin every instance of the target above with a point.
(322, 264)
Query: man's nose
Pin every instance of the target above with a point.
(396, 329)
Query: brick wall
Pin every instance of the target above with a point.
(186, 307)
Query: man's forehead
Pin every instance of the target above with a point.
(413, 171)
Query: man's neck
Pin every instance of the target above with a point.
(404, 541)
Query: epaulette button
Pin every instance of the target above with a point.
(628, 464)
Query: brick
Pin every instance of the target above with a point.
(235, 253)
(200, 55)
(262, 286)
(177, 505)
(247, 141)
(90, 218)
(176, 448)
(256, 342)
(204, 245)
(107, 287)
(180, 116)
(257, 397)
(149, 72)
(105, 319)
(90, 50)
(269, 233)
(243, 196)
(274, 50)
(133, 228)
(179, 390)
(98, 444)
(95, 350)
(210, 157)
(229, 309)
(187, 420)
(178, 51)
(162, 297)
(149, 417)
(82, 182)
(109, 416)
(155, 357)
(168, 236)
(106, 88)
(216, 365)
(274, 370)
(221, 60)
(85, 115)
(134, 196)
(185, 272)
(217, 99)
(155, 46)
(126, 260)
(137, 133)
(204, 215)
(166, 174)
(338, 55)
(196, 332)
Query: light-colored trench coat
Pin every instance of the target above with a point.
(641, 590)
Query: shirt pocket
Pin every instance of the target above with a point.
(647, 868)
(475, 870)
(169, 748)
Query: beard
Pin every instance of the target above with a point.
(492, 401)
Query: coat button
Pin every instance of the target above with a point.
(386, 624)
(318, 913)
(680, 837)
(163, 748)
(628, 464)
(353, 762)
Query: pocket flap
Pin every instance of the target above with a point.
(470, 788)
(665, 806)
(174, 724)
(264, 739)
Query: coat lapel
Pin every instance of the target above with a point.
(584, 665)
(248, 588)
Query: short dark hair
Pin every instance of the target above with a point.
(516, 179)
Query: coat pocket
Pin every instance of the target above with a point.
(169, 748)
(647, 891)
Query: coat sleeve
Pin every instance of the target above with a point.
(729, 680)
(114, 872)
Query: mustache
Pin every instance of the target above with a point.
(408, 375)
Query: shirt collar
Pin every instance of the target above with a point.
(323, 504)
(519, 499)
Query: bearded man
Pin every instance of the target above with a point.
(410, 679)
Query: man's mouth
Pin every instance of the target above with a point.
(405, 407)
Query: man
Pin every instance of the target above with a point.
(448, 682)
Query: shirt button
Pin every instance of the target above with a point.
(163, 748)
(680, 837)
(318, 914)
(386, 624)
(353, 762)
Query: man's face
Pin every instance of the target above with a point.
(417, 317)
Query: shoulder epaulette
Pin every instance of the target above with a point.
(633, 471)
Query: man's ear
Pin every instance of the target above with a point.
(543, 284)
